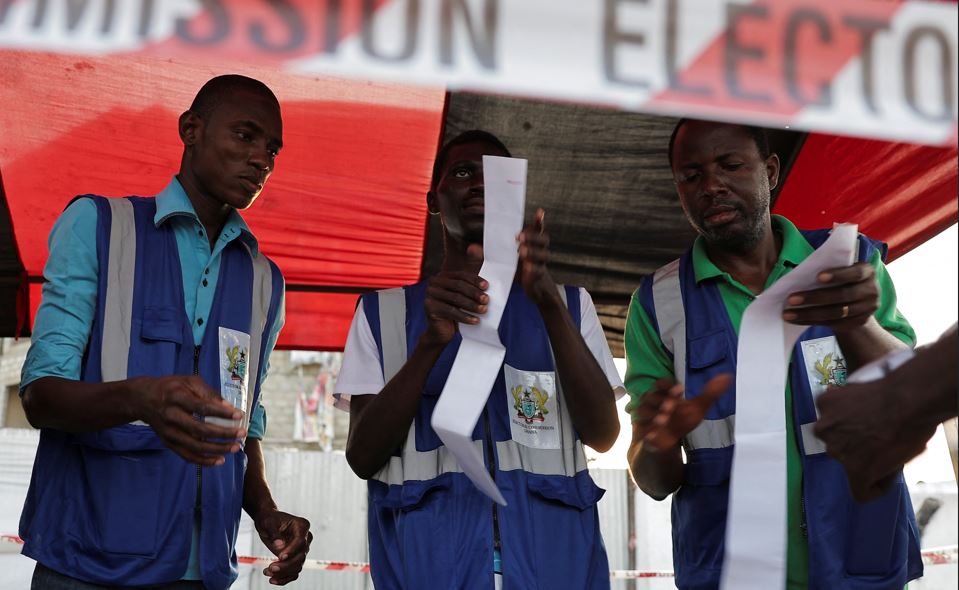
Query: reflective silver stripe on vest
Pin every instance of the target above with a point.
(118, 308)
(712, 434)
(259, 313)
(393, 331)
(671, 317)
(812, 444)
(413, 465)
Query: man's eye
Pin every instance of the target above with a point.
(732, 167)
(461, 173)
(691, 177)
(244, 136)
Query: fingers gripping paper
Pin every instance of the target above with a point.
(481, 353)
(756, 520)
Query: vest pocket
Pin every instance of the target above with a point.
(707, 350)
(413, 529)
(699, 512)
(568, 550)
(873, 532)
(161, 337)
(122, 498)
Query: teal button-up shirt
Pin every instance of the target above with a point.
(65, 318)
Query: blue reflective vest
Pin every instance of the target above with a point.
(871, 546)
(429, 527)
(116, 506)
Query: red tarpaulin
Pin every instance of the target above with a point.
(345, 209)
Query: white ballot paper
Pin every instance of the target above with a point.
(756, 520)
(481, 353)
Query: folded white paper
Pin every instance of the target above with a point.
(481, 353)
(756, 520)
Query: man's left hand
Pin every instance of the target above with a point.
(533, 256)
(289, 538)
(847, 299)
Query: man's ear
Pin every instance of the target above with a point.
(190, 126)
(432, 207)
(772, 171)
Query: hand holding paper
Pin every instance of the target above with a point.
(848, 297)
(452, 297)
(533, 256)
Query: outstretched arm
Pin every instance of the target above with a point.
(592, 403)
(664, 417)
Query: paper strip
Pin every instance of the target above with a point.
(481, 353)
(756, 521)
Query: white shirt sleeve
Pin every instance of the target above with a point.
(360, 372)
(592, 333)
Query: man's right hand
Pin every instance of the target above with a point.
(453, 297)
(665, 416)
(170, 405)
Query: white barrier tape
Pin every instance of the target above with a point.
(934, 556)
(871, 68)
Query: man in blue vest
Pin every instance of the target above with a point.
(681, 342)
(429, 526)
(149, 352)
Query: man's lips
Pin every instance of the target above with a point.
(721, 215)
(474, 207)
(251, 184)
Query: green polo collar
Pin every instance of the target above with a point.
(795, 249)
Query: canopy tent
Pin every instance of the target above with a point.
(345, 211)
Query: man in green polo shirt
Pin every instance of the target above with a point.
(724, 174)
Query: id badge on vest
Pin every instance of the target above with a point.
(234, 376)
(531, 407)
(825, 364)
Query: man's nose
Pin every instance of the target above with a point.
(261, 158)
(713, 182)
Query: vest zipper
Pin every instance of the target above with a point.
(497, 545)
(197, 508)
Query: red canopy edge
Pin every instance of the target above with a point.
(902, 194)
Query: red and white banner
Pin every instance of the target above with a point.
(877, 68)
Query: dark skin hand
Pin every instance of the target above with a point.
(845, 304)
(664, 418)
(286, 535)
(168, 404)
(874, 428)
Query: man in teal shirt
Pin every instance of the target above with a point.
(231, 135)
(724, 175)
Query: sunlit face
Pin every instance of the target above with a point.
(236, 148)
(460, 192)
(723, 183)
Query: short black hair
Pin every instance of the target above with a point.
(471, 136)
(218, 89)
(758, 135)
